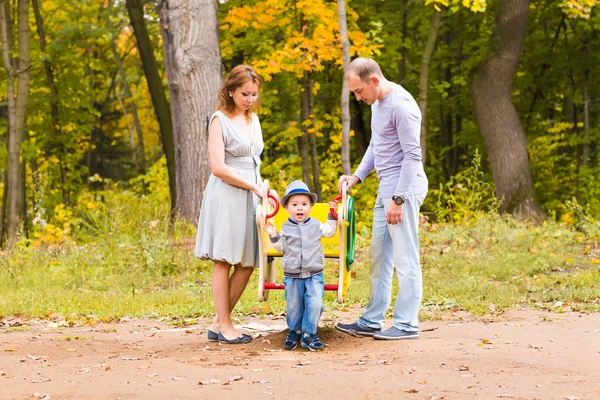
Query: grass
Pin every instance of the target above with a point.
(125, 262)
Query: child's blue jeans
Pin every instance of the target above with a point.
(304, 303)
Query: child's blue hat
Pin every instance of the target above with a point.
(297, 187)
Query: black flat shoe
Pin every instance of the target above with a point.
(212, 336)
(238, 340)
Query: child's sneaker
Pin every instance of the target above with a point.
(291, 342)
(312, 342)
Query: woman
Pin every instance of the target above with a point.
(226, 230)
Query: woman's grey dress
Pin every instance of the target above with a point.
(227, 228)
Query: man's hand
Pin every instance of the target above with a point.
(350, 179)
(394, 213)
(270, 228)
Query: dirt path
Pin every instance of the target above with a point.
(524, 355)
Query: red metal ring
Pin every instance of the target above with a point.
(271, 197)
(333, 212)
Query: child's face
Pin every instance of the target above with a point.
(299, 207)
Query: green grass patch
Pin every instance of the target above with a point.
(123, 260)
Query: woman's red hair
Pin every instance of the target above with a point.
(238, 76)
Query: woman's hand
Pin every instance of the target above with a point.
(257, 190)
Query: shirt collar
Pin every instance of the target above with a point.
(293, 221)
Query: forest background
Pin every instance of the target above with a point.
(103, 123)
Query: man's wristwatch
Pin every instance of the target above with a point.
(399, 200)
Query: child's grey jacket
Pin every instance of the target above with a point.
(300, 244)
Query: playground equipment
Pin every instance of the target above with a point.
(340, 246)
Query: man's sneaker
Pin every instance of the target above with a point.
(312, 342)
(355, 329)
(291, 342)
(394, 333)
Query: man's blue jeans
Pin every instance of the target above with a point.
(395, 246)
(304, 303)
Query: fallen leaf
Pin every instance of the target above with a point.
(257, 370)
(410, 390)
(300, 362)
(236, 378)
(382, 362)
(464, 367)
(209, 382)
(130, 358)
(421, 382)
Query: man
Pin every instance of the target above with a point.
(395, 153)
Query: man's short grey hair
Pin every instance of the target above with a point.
(364, 68)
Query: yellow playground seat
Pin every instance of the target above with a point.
(340, 246)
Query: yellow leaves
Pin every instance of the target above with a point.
(293, 51)
(265, 19)
(473, 5)
(578, 8)
(316, 87)
(587, 249)
(567, 219)
(560, 127)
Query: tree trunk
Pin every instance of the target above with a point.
(138, 148)
(585, 151)
(313, 138)
(303, 139)
(500, 126)
(424, 78)
(403, 38)
(3, 207)
(17, 109)
(193, 61)
(449, 116)
(162, 111)
(56, 126)
(345, 101)
(358, 124)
